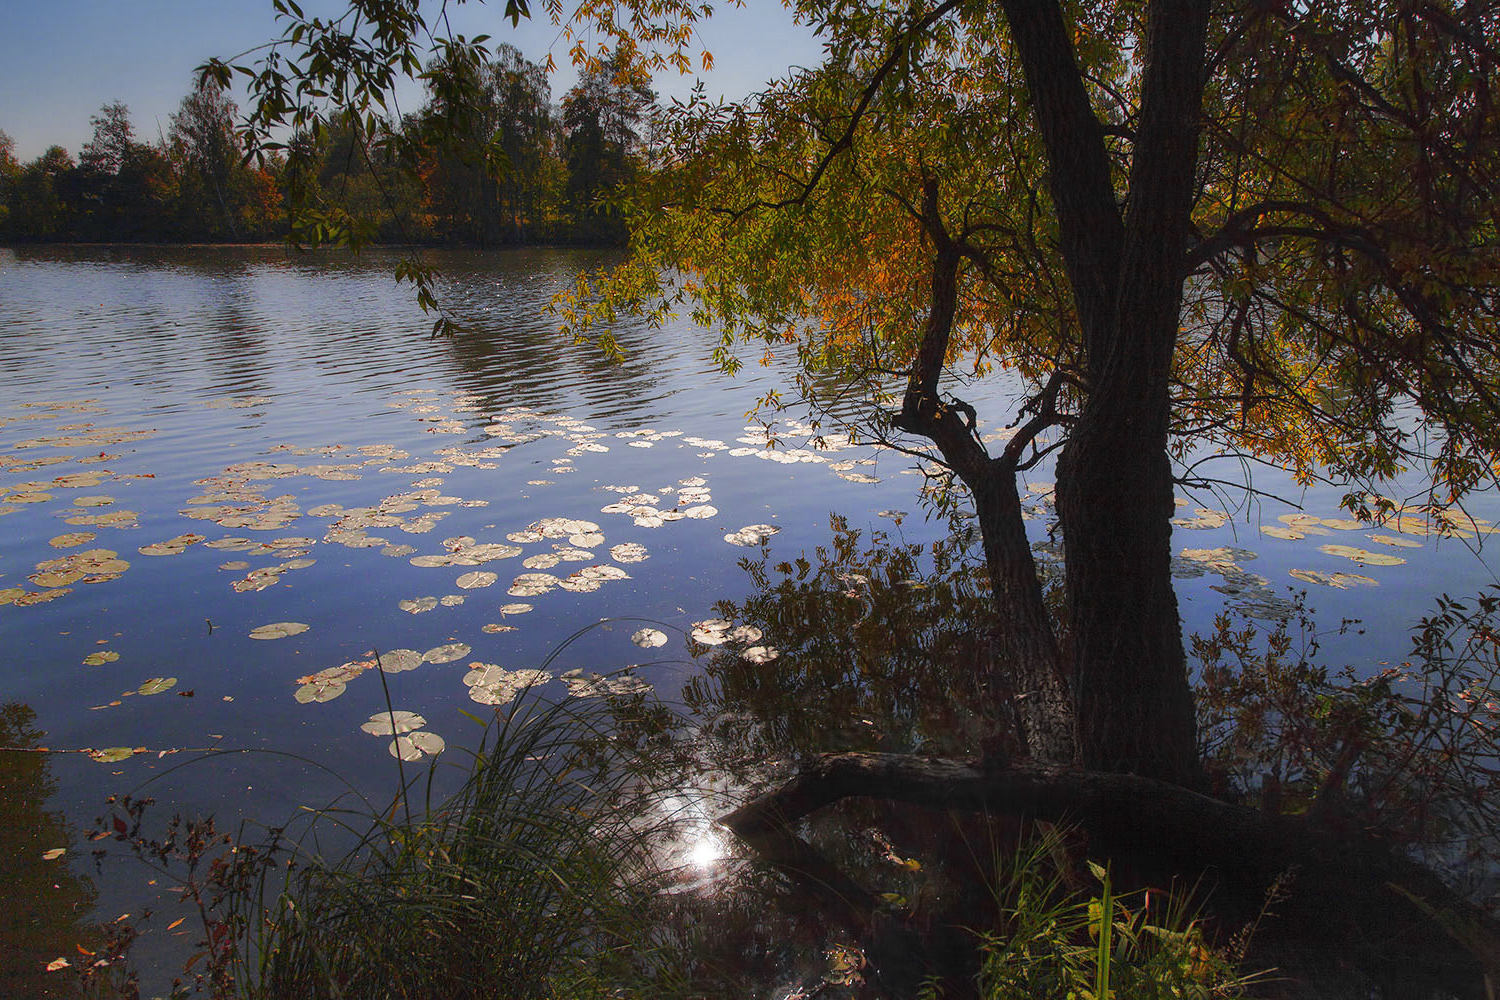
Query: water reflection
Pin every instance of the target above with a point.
(44, 904)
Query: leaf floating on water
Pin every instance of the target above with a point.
(172, 546)
(451, 600)
(542, 560)
(1364, 556)
(1281, 531)
(712, 632)
(514, 609)
(492, 684)
(111, 755)
(392, 723)
(751, 534)
(24, 497)
(532, 584)
(629, 552)
(100, 658)
(71, 539)
(93, 501)
(701, 512)
(586, 539)
(319, 691)
(760, 654)
(418, 605)
(745, 634)
(1342, 523)
(157, 685)
(8, 595)
(581, 685)
(1403, 543)
(1342, 581)
(54, 854)
(278, 630)
(397, 551)
(648, 638)
(396, 661)
(415, 746)
(494, 629)
(446, 654)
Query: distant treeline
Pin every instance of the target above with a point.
(504, 167)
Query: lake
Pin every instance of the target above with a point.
(229, 478)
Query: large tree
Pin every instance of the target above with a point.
(1261, 227)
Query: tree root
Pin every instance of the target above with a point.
(1344, 883)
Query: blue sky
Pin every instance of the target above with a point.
(60, 60)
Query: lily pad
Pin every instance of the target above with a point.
(514, 609)
(396, 661)
(100, 658)
(451, 600)
(392, 723)
(446, 654)
(629, 552)
(157, 685)
(170, 547)
(751, 534)
(417, 605)
(278, 630)
(415, 746)
(1364, 556)
(71, 539)
(1340, 581)
(760, 654)
(648, 638)
(319, 691)
(712, 632)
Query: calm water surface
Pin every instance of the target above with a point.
(297, 403)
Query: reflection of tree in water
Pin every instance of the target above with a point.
(881, 648)
(43, 905)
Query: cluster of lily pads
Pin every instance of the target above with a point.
(555, 553)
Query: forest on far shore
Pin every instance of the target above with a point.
(500, 166)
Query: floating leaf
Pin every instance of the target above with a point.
(532, 584)
(170, 547)
(713, 632)
(319, 690)
(629, 552)
(492, 684)
(71, 539)
(396, 661)
(514, 609)
(278, 630)
(751, 534)
(58, 964)
(54, 854)
(446, 654)
(745, 633)
(94, 501)
(1341, 581)
(100, 658)
(581, 685)
(157, 685)
(392, 723)
(110, 755)
(1281, 531)
(418, 605)
(1403, 543)
(648, 638)
(760, 654)
(451, 600)
(415, 746)
(1364, 556)
(493, 629)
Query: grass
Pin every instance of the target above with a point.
(1069, 939)
(535, 880)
